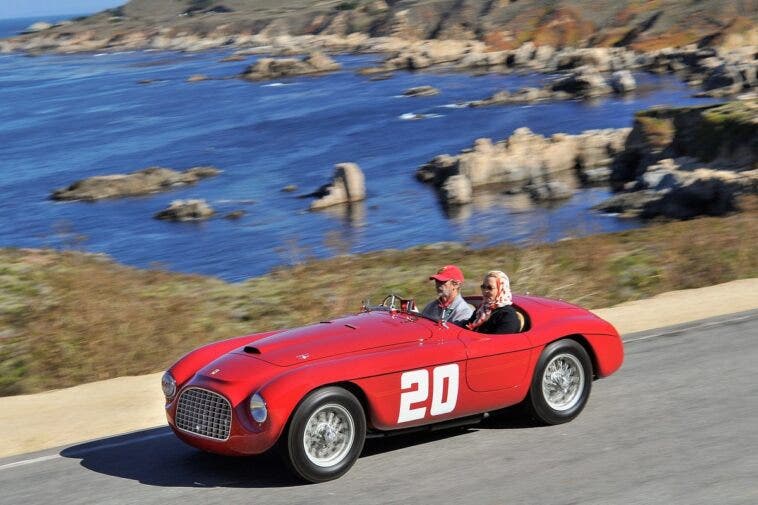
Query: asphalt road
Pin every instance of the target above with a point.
(676, 425)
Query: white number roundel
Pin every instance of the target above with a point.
(414, 386)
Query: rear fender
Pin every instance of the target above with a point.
(599, 337)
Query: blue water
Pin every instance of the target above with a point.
(63, 118)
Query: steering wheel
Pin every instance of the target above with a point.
(389, 301)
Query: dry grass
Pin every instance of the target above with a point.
(68, 318)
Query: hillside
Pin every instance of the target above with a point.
(501, 24)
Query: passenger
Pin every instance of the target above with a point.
(496, 313)
(449, 304)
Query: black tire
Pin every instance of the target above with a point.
(561, 383)
(325, 435)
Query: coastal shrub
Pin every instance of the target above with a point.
(722, 128)
(636, 273)
(659, 132)
(347, 5)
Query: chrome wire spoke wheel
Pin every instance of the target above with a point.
(329, 434)
(563, 382)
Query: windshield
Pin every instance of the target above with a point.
(400, 305)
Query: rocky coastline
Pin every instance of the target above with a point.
(718, 60)
(712, 47)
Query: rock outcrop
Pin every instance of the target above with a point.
(142, 182)
(347, 185)
(682, 189)
(186, 210)
(584, 83)
(684, 162)
(421, 91)
(274, 68)
(524, 156)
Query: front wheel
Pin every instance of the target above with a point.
(326, 435)
(561, 384)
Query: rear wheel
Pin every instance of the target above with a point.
(561, 384)
(326, 435)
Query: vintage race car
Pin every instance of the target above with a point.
(316, 392)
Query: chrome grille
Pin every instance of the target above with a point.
(204, 413)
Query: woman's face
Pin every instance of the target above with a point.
(489, 289)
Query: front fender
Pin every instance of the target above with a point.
(194, 360)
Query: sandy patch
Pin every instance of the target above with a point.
(100, 409)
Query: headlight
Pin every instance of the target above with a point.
(169, 385)
(258, 408)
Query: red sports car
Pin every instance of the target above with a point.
(317, 391)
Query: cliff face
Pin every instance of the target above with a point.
(685, 162)
(722, 136)
(502, 24)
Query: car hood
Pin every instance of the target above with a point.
(345, 335)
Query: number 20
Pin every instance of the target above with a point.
(441, 403)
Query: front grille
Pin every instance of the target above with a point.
(204, 413)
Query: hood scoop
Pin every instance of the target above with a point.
(250, 349)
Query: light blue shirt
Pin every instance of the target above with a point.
(456, 312)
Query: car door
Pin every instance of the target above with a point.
(495, 362)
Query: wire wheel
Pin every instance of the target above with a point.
(563, 382)
(329, 435)
(325, 435)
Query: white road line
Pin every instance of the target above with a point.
(699, 326)
(76, 454)
(30, 461)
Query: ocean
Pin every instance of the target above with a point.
(66, 117)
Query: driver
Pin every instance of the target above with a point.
(449, 303)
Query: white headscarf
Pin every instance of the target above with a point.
(501, 298)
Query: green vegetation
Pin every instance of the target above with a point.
(727, 126)
(704, 132)
(68, 317)
(347, 6)
(659, 132)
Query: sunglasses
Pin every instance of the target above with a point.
(487, 288)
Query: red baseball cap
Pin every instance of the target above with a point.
(448, 273)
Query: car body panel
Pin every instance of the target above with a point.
(407, 370)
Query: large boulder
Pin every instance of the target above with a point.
(457, 190)
(421, 91)
(141, 182)
(274, 68)
(622, 82)
(585, 82)
(186, 210)
(347, 185)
